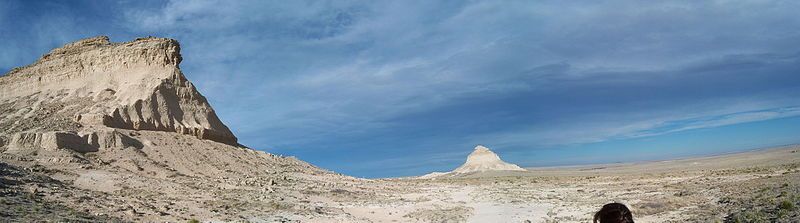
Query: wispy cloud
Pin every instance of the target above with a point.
(314, 78)
(716, 121)
(331, 74)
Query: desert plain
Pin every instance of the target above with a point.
(752, 186)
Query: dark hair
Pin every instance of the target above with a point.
(613, 213)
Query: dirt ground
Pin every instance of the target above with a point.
(169, 177)
(744, 187)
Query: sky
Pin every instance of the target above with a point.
(400, 88)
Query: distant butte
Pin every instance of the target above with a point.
(482, 159)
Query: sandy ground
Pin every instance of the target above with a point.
(696, 189)
(176, 178)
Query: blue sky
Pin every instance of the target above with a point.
(396, 88)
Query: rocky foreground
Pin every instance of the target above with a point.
(97, 131)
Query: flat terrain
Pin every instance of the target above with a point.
(749, 186)
(177, 178)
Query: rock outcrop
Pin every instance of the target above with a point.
(480, 160)
(75, 119)
(483, 159)
(110, 139)
(49, 141)
(134, 85)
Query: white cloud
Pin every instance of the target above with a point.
(723, 120)
(296, 73)
(332, 68)
(596, 130)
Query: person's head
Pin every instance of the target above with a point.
(613, 213)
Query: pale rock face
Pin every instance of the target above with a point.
(110, 139)
(49, 141)
(483, 159)
(93, 82)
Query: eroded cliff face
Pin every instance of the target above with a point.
(92, 82)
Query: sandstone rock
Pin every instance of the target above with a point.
(25, 140)
(65, 140)
(131, 85)
(480, 160)
(483, 159)
(111, 139)
(93, 119)
(50, 141)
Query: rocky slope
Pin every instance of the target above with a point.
(92, 82)
(115, 131)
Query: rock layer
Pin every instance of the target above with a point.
(50, 141)
(132, 85)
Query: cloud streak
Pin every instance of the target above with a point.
(390, 79)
